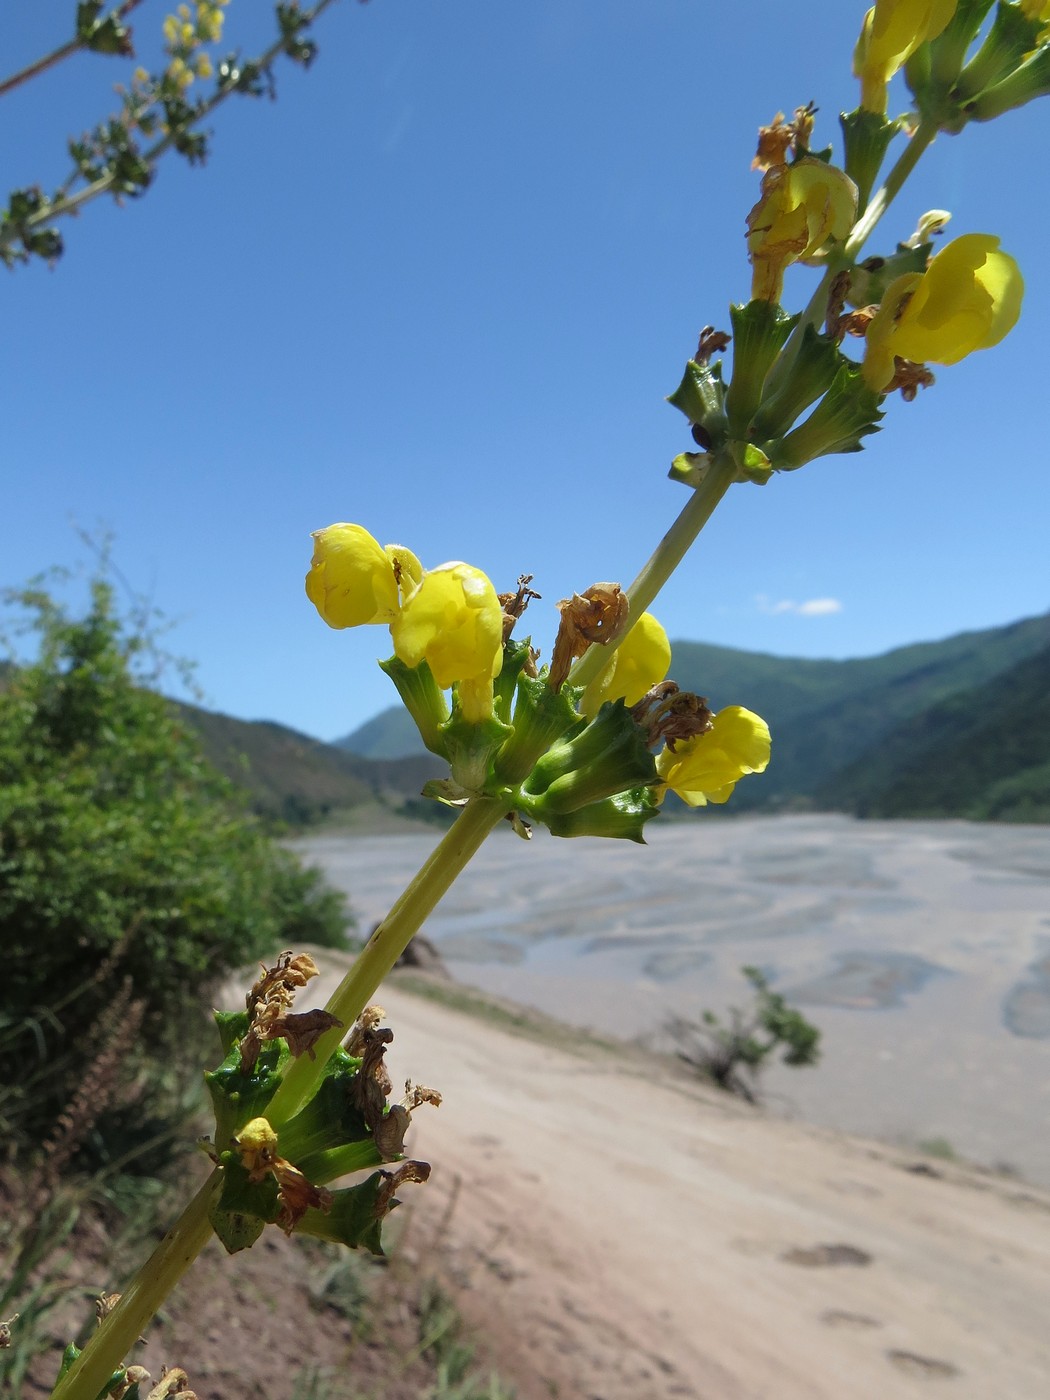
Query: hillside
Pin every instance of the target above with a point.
(389, 734)
(296, 779)
(982, 753)
(825, 714)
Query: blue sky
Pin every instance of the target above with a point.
(441, 287)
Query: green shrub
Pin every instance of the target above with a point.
(129, 868)
(732, 1054)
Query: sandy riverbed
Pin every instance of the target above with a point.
(921, 949)
(617, 1231)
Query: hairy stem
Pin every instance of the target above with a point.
(387, 943)
(119, 1332)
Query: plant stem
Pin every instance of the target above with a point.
(387, 943)
(880, 202)
(120, 1331)
(668, 554)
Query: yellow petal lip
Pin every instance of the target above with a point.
(708, 768)
(454, 622)
(968, 299)
(352, 580)
(892, 31)
(641, 661)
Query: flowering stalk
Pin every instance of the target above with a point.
(862, 230)
(387, 943)
(467, 657)
(141, 1300)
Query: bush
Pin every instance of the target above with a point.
(131, 876)
(732, 1055)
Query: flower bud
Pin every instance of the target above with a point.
(353, 580)
(968, 298)
(608, 756)
(708, 768)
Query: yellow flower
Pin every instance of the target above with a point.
(641, 660)
(968, 298)
(353, 580)
(257, 1145)
(892, 31)
(708, 768)
(454, 622)
(803, 207)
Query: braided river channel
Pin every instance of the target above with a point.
(920, 949)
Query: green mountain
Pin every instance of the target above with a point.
(825, 715)
(982, 753)
(296, 779)
(389, 734)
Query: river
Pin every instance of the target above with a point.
(920, 949)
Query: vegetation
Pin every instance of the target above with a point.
(298, 781)
(733, 1054)
(131, 877)
(982, 753)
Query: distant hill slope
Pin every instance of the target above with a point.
(825, 714)
(298, 779)
(389, 734)
(982, 753)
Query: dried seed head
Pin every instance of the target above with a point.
(909, 378)
(671, 715)
(297, 1195)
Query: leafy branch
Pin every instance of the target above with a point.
(95, 32)
(112, 159)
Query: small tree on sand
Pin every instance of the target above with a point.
(733, 1053)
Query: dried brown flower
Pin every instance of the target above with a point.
(598, 615)
(514, 604)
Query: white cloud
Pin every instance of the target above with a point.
(812, 607)
(819, 607)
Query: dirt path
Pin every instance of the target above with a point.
(619, 1232)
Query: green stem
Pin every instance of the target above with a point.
(880, 202)
(668, 554)
(388, 942)
(120, 1331)
(847, 254)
